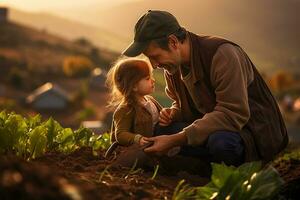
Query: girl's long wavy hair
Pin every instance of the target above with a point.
(123, 77)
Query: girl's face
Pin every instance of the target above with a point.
(145, 86)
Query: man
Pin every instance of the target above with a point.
(216, 90)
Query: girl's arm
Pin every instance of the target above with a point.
(122, 122)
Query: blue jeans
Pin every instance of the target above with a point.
(221, 146)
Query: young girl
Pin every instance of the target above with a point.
(137, 113)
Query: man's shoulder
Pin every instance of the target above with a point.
(209, 38)
(227, 49)
(212, 40)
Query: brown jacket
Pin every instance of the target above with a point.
(222, 90)
(128, 122)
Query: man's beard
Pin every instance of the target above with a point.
(171, 69)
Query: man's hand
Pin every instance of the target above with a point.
(165, 116)
(163, 143)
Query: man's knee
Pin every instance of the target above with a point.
(216, 144)
(226, 146)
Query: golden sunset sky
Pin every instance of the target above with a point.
(52, 5)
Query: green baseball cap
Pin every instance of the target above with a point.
(152, 25)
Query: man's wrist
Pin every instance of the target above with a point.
(180, 139)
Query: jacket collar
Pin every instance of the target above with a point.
(196, 66)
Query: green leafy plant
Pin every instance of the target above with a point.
(37, 141)
(294, 155)
(99, 142)
(247, 182)
(30, 137)
(183, 191)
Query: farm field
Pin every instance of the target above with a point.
(71, 165)
(58, 176)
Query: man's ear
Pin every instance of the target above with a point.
(135, 89)
(173, 41)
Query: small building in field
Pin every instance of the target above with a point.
(49, 97)
(97, 127)
(3, 14)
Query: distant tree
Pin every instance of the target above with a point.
(77, 66)
(281, 80)
(44, 31)
(83, 42)
(81, 94)
(16, 77)
(95, 56)
(84, 114)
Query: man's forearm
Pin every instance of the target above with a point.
(179, 139)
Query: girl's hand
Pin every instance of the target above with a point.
(143, 141)
(165, 117)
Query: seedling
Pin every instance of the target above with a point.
(155, 172)
(133, 171)
(105, 172)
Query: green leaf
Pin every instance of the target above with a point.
(16, 127)
(183, 191)
(245, 182)
(37, 141)
(105, 141)
(3, 115)
(206, 192)
(5, 143)
(34, 121)
(82, 136)
(53, 129)
(250, 168)
(234, 184)
(220, 173)
(266, 184)
(21, 147)
(97, 142)
(66, 141)
(100, 141)
(65, 136)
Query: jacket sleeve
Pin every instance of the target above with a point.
(171, 93)
(122, 122)
(231, 73)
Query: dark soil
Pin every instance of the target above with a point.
(290, 172)
(80, 175)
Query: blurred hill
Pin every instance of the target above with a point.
(69, 29)
(268, 30)
(34, 53)
(31, 57)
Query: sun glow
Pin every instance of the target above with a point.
(52, 5)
